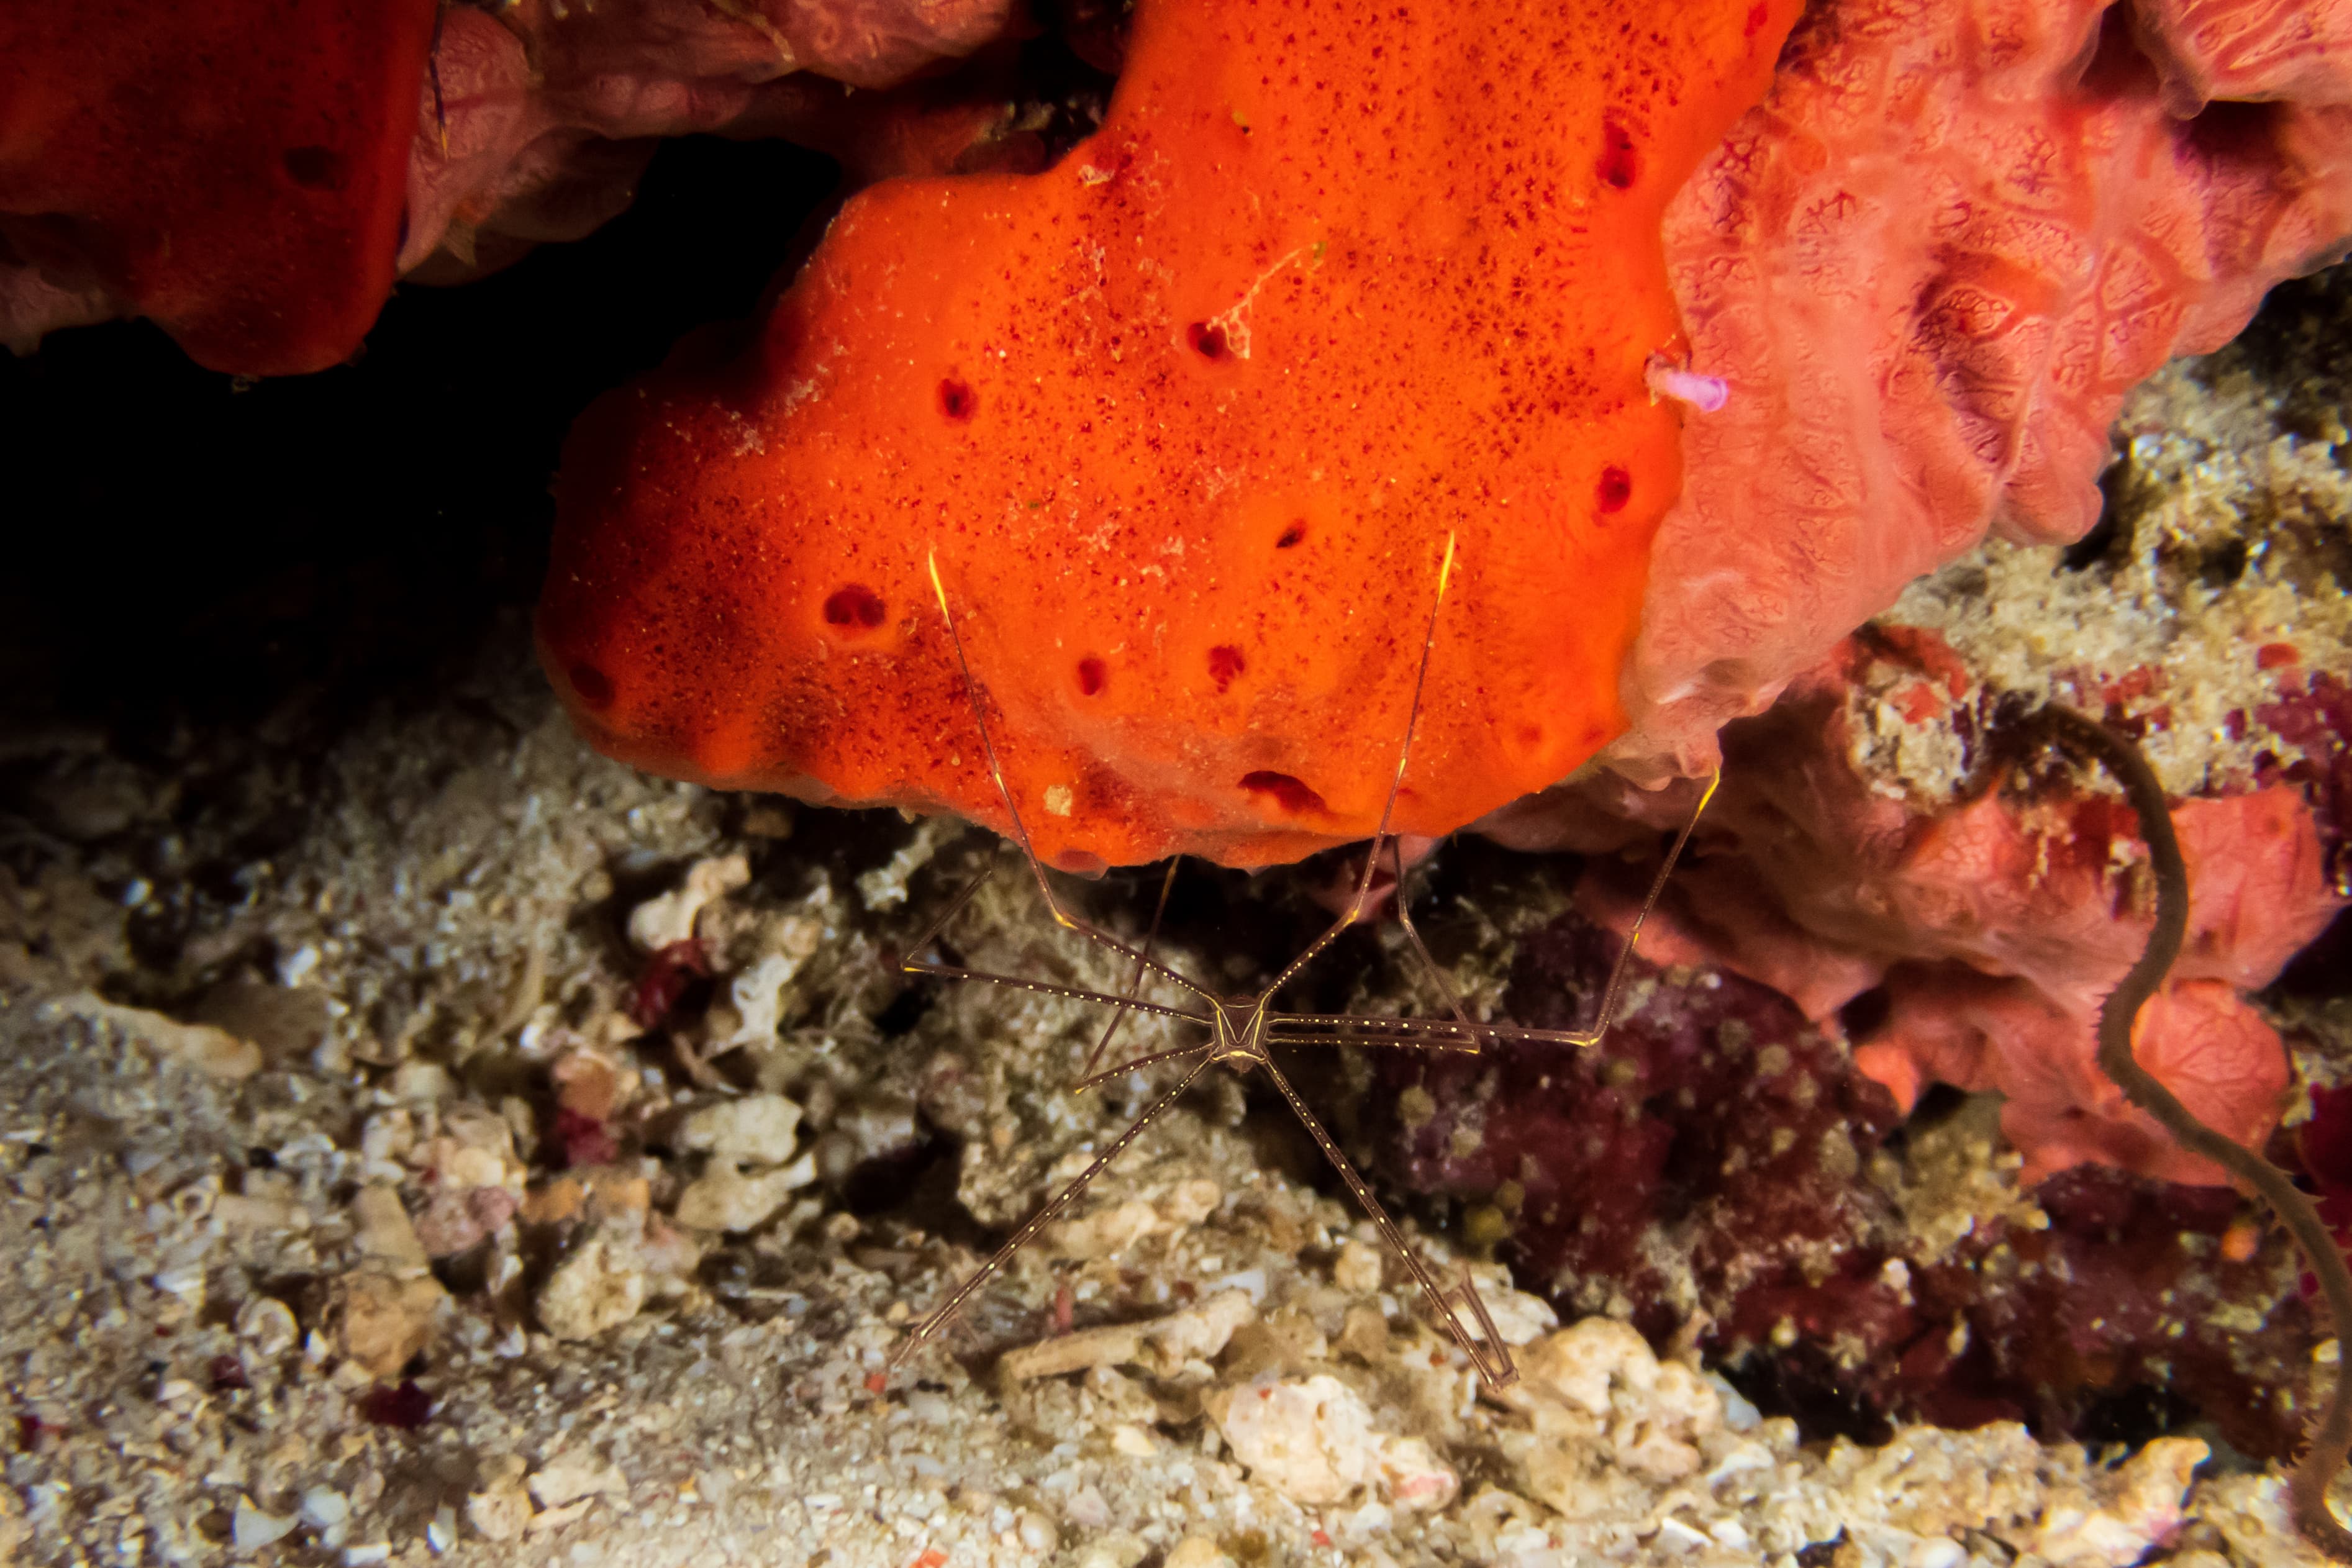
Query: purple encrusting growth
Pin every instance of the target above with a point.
(1716, 1155)
(2315, 715)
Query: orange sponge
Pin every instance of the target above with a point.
(234, 169)
(1187, 420)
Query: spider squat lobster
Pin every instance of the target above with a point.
(1243, 1031)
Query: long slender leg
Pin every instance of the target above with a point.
(930, 934)
(1143, 958)
(1396, 784)
(1062, 917)
(1430, 1034)
(1463, 1047)
(1413, 933)
(1047, 989)
(1493, 1359)
(1441, 1031)
(913, 964)
(946, 1312)
(1139, 1064)
(1135, 984)
(1611, 994)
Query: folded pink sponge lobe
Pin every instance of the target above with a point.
(1991, 924)
(1928, 268)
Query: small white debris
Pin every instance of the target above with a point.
(760, 1128)
(185, 1281)
(1085, 1508)
(324, 1508)
(211, 1050)
(728, 1199)
(2142, 1507)
(1198, 1551)
(1036, 1531)
(250, 1528)
(1676, 1536)
(600, 1286)
(884, 887)
(663, 922)
(1163, 1344)
(1358, 1268)
(1519, 1318)
(568, 1478)
(1937, 1552)
(1251, 1281)
(499, 1508)
(1739, 1414)
(1103, 1232)
(268, 1325)
(758, 995)
(1411, 1477)
(1704, 394)
(1310, 1439)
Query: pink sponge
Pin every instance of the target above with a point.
(2209, 50)
(1928, 268)
(1980, 1032)
(1995, 926)
(539, 121)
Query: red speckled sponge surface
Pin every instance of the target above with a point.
(1187, 421)
(235, 168)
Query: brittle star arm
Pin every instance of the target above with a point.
(1492, 1359)
(946, 1312)
(1062, 917)
(2331, 1442)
